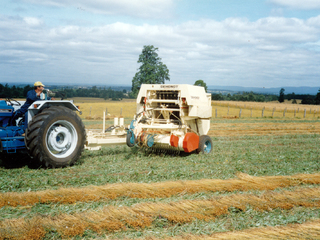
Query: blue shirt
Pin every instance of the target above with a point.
(31, 97)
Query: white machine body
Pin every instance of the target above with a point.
(172, 116)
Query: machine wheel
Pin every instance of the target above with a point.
(55, 137)
(205, 144)
(130, 140)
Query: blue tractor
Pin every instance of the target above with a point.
(54, 136)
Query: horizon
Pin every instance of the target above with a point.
(274, 90)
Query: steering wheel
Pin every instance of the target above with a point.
(13, 102)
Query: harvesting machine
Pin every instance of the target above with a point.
(172, 117)
(54, 135)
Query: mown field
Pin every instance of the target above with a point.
(262, 181)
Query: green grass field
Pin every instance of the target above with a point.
(271, 147)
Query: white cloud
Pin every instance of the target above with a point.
(298, 4)
(32, 21)
(136, 8)
(235, 51)
(314, 21)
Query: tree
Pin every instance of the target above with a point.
(294, 101)
(308, 100)
(151, 71)
(216, 96)
(317, 99)
(251, 97)
(15, 92)
(260, 98)
(7, 91)
(201, 83)
(281, 95)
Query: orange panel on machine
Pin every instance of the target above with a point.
(174, 141)
(190, 142)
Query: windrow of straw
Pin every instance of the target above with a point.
(153, 190)
(141, 215)
(310, 230)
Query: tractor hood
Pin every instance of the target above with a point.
(5, 113)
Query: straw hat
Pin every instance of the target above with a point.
(36, 84)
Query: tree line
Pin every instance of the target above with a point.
(14, 92)
(245, 97)
(106, 93)
(94, 92)
(305, 98)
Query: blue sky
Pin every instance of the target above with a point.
(251, 43)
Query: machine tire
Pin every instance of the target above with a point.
(128, 137)
(55, 137)
(205, 144)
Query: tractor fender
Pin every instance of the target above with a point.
(38, 106)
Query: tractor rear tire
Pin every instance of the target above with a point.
(205, 144)
(55, 137)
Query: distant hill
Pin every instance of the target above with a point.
(288, 90)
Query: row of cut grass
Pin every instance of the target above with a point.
(155, 190)
(145, 214)
(309, 230)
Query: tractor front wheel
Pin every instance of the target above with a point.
(56, 137)
(205, 144)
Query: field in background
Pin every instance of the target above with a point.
(225, 109)
(94, 110)
(227, 122)
(229, 109)
(262, 175)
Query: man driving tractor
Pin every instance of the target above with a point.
(32, 96)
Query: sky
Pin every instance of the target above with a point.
(248, 43)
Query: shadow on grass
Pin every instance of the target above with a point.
(22, 159)
(148, 152)
(17, 160)
(105, 151)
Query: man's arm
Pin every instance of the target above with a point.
(32, 96)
